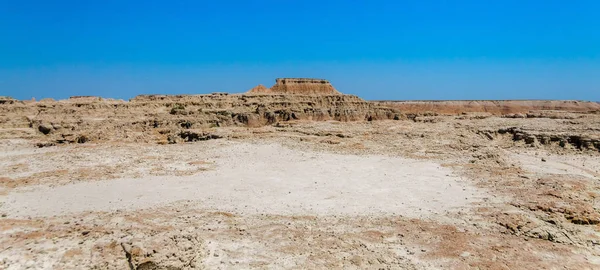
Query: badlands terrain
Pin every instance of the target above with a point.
(298, 176)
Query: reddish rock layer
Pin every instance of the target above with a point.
(495, 107)
(297, 86)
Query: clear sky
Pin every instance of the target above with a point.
(527, 49)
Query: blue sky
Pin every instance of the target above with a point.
(375, 49)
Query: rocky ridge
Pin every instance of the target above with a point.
(580, 140)
(297, 86)
(518, 108)
(181, 118)
(165, 118)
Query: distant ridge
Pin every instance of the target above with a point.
(496, 107)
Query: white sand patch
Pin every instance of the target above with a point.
(269, 179)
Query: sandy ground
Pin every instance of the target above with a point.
(268, 179)
(384, 195)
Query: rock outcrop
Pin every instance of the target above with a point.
(297, 86)
(259, 89)
(575, 139)
(181, 118)
(175, 118)
(6, 100)
(495, 107)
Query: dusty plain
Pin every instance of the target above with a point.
(297, 189)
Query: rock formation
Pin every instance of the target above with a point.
(6, 100)
(174, 118)
(495, 107)
(259, 89)
(297, 86)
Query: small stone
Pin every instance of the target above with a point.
(465, 254)
(84, 233)
(45, 128)
(543, 160)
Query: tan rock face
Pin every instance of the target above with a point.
(298, 86)
(6, 100)
(259, 89)
(176, 118)
(494, 107)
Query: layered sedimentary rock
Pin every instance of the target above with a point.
(173, 118)
(297, 86)
(495, 107)
(586, 139)
(152, 118)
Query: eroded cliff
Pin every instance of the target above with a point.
(495, 107)
(164, 118)
(297, 86)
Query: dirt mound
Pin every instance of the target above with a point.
(259, 89)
